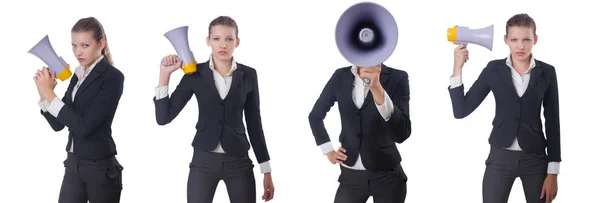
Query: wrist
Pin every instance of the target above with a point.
(457, 71)
(163, 79)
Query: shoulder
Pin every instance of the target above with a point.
(395, 72)
(343, 70)
(112, 73)
(245, 68)
(545, 66)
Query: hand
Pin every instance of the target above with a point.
(372, 73)
(45, 81)
(461, 55)
(173, 63)
(269, 188)
(337, 157)
(550, 188)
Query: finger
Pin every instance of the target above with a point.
(543, 193)
(342, 149)
(338, 161)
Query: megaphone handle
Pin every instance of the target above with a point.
(460, 43)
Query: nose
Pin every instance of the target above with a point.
(223, 45)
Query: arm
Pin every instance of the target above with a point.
(318, 113)
(551, 115)
(54, 124)
(101, 108)
(45, 105)
(462, 104)
(255, 129)
(167, 108)
(395, 111)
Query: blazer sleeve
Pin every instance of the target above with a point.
(166, 109)
(320, 109)
(399, 122)
(463, 105)
(254, 121)
(103, 106)
(54, 124)
(551, 115)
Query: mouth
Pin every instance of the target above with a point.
(222, 52)
(80, 59)
(520, 53)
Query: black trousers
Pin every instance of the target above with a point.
(356, 186)
(504, 166)
(208, 168)
(99, 181)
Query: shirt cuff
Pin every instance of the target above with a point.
(326, 147)
(43, 105)
(265, 167)
(455, 81)
(161, 92)
(55, 106)
(554, 168)
(387, 108)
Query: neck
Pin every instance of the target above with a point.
(521, 63)
(222, 65)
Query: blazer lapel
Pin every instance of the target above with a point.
(506, 77)
(209, 79)
(535, 76)
(237, 77)
(347, 85)
(94, 74)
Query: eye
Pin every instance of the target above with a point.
(216, 38)
(86, 45)
(73, 45)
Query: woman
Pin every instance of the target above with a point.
(521, 85)
(88, 107)
(224, 89)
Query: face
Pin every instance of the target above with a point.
(85, 48)
(520, 40)
(222, 41)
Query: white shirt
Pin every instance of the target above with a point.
(359, 93)
(223, 84)
(56, 105)
(520, 82)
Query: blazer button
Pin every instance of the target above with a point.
(358, 113)
(222, 103)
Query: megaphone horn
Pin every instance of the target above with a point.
(366, 34)
(463, 35)
(44, 51)
(179, 40)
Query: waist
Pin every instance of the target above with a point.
(74, 159)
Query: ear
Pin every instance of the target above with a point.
(207, 40)
(102, 43)
(535, 39)
(237, 42)
(506, 39)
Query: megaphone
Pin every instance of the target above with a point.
(179, 39)
(44, 51)
(366, 34)
(463, 35)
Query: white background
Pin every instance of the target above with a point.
(291, 45)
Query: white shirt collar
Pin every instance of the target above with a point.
(531, 63)
(211, 65)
